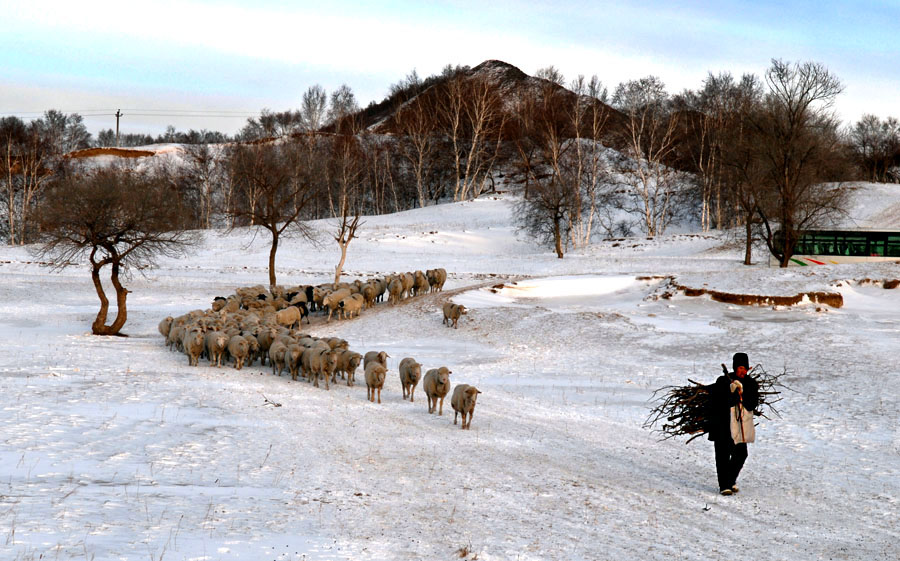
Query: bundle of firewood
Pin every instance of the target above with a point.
(682, 410)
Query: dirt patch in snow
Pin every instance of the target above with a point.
(833, 299)
(121, 152)
(887, 284)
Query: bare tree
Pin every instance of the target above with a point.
(273, 192)
(121, 219)
(64, 133)
(742, 170)
(589, 117)
(417, 127)
(544, 214)
(875, 145)
(558, 141)
(800, 151)
(26, 162)
(649, 140)
(313, 108)
(471, 114)
(203, 174)
(347, 172)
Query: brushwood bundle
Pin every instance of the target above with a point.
(683, 410)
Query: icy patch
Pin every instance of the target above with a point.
(564, 294)
(619, 294)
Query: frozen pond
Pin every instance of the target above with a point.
(625, 295)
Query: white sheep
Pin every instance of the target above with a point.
(332, 300)
(266, 337)
(351, 304)
(193, 344)
(463, 402)
(165, 325)
(239, 349)
(452, 313)
(436, 385)
(375, 375)
(375, 356)
(322, 362)
(370, 292)
(277, 353)
(436, 278)
(347, 363)
(395, 291)
(216, 342)
(292, 359)
(408, 281)
(420, 283)
(252, 347)
(290, 317)
(410, 373)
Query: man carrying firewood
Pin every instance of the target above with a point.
(732, 400)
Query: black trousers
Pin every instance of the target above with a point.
(729, 461)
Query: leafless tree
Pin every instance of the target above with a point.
(471, 114)
(26, 167)
(544, 213)
(589, 116)
(272, 192)
(558, 141)
(348, 174)
(313, 108)
(417, 128)
(649, 139)
(64, 133)
(742, 173)
(875, 145)
(800, 151)
(117, 218)
(203, 174)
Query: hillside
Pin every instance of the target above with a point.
(114, 448)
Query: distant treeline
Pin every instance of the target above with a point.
(725, 154)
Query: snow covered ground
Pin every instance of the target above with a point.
(115, 449)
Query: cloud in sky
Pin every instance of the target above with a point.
(244, 56)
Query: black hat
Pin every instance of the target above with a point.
(740, 359)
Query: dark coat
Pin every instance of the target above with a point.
(722, 399)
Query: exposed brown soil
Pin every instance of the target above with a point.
(833, 299)
(121, 152)
(887, 284)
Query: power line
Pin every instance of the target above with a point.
(206, 113)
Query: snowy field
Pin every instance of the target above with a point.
(115, 449)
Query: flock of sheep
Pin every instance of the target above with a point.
(259, 323)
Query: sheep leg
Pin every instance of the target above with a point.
(441, 407)
(411, 392)
(379, 395)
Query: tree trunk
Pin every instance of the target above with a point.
(99, 325)
(340, 266)
(557, 235)
(121, 296)
(749, 242)
(272, 251)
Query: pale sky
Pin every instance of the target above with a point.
(211, 64)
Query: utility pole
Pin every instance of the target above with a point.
(118, 114)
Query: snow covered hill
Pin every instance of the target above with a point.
(114, 448)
